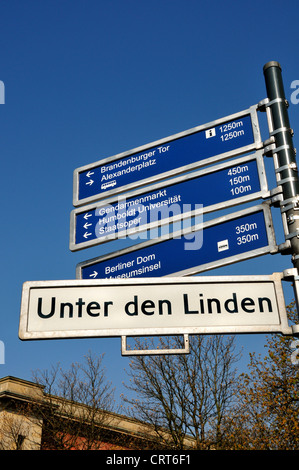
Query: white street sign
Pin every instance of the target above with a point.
(153, 306)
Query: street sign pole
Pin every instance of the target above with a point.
(287, 176)
(107, 301)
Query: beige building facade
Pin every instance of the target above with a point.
(23, 425)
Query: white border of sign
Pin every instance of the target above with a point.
(257, 144)
(170, 285)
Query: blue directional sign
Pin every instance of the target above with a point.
(215, 141)
(225, 184)
(242, 235)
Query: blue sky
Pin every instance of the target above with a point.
(85, 80)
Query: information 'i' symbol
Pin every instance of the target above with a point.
(210, 133)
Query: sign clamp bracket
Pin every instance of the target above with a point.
(134, 352)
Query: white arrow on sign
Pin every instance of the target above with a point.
(94, 274)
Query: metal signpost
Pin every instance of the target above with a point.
(136, 291)
(284, 154)
(104, 308)
(228, 239)
(202, 145)
(238, 181)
